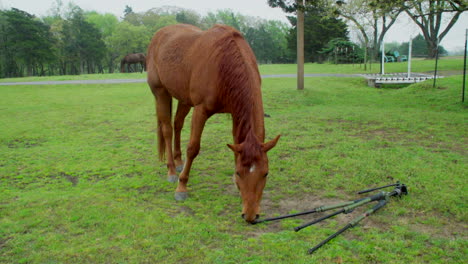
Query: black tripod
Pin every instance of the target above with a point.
(347, 207)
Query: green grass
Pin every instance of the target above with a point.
(446, 65)
(104, 76)
(80, 181)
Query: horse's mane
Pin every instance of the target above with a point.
(236, 81)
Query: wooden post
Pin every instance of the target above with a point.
(409, 56)
(300, 46)
(464, 67)
(382, 67)
(365, 58)
(436, 64)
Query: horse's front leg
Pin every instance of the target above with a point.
(182, 111)
(199, 118)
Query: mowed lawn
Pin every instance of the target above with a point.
(446, 66)
(80, 181)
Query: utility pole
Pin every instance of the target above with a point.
(300, 44)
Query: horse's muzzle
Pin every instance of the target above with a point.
(251, 221)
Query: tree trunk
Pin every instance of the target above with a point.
(375, 53)
(111, 67)
(429, 21)
(431, 48)
(365, 57)
(29, 69)
(300, 47)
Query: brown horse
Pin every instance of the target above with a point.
(213, 71)
(133, 58)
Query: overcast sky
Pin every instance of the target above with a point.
(400, 32)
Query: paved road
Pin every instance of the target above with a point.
(112, 81)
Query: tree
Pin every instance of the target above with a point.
(107, 25)
(84, 48)
(419, 47)
(155, 19)
(373, 18)
(297, 6)
(26, 44)
(226, 17)
(71, 41)
(319, 29)
(128, 10)
(268, 40)
(126, 39)
(341, 50)
(55, 24)
(130, 16)
(188, 17)
(429, 16)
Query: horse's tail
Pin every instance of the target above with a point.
(122, 64)
(161, 140)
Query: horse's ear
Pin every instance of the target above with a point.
(235, 147)
(270, 144)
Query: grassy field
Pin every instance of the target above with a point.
(446, 66)
(80, 181)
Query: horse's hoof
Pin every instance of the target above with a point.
(172, 178)
(179, 168)
(181, 196)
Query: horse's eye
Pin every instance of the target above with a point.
(238, 174)
(266, 174)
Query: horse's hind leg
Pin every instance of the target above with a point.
(164, 113)
(182, 111)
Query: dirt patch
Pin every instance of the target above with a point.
(145, 189)
(382, 220)
(388, 134)
(339, 121)
(185, 210)
(3, 241)
(368, 131)
(445, 228)
(436, 146)
(284, 156)
(296, 204)
(25, 142)
(70, 178)
(180, 210)
(306, 203)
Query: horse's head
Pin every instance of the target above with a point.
(251, 174)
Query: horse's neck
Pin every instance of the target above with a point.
(252, 123)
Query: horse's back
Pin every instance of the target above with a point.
(186, 61)
(165, 60)
(169, 45)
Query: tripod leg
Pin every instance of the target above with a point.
(353, 223)
(318, 220)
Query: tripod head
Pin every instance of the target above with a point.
(399, 190)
